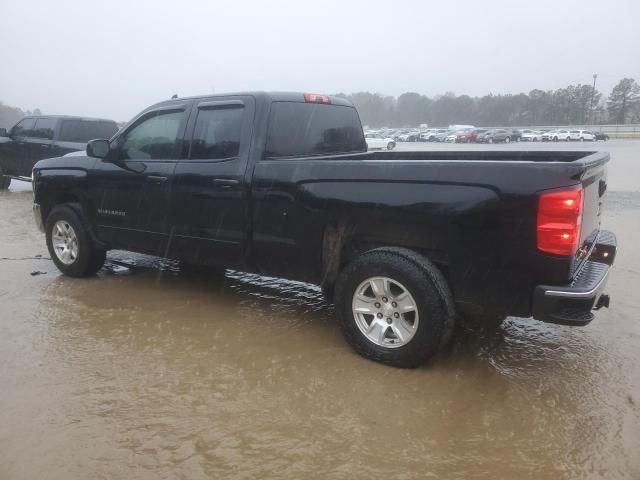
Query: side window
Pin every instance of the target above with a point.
(44, 128)
(304, 129)
(81, 131)
(24, 128)
(217, 133)
(155, 138)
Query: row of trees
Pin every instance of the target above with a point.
(9, 116)
(575, 104)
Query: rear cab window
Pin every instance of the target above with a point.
(81, 131)
(299, 129)
(44, 128)
(217, 132)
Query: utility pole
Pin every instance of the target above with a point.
(593, 94)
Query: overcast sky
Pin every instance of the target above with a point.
(114, 58)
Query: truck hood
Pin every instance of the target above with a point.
(68, 161)
(79, 153)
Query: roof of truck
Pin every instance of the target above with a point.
(71, 117)
(260, 95)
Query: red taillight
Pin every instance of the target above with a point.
(315, 98)
(559, 219)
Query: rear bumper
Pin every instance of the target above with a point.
(37, 217)
(572, 304)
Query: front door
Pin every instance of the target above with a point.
(14, 152)
(131, 192)
(210, 208)
(39, 144)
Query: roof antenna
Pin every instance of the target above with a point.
(175, 95)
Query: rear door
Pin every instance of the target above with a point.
(287, 236)
(131, 195)
(210, 196)
(14, 153)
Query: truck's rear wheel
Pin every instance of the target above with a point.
(4, 181)
(70, 246)
(394, 306)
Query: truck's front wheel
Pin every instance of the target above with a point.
(394, 306)
(70, 246)
(4, 181)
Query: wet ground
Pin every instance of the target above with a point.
(149, 372)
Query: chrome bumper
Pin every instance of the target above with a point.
(572, 304)
(37, 217)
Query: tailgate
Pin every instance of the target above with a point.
(594, 184)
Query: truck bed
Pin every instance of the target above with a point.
(475, 212)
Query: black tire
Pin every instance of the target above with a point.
(4, 181)
(390, 145)
(90, 258)
(429, 289)
(507, 139)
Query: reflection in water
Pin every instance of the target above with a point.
(166, 373)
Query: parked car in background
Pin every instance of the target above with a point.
(424, 136)
(547, 136)
(556, 136)
(473, 136)
(465, 136)
(442, 136)
(432, 136)
(413, 136)
(515, 135)
(601, 136)
(36, 137)
(498, 135)
(451, 137)
(582, 135)
(377, 141)
(530, 135)
(410, 136)
(398, 133)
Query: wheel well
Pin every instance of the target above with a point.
(342, 245)
(60, 199)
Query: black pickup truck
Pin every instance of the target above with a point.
(35, 138)
(403, 243)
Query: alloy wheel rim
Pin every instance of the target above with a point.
(65, 242)
(385, 312)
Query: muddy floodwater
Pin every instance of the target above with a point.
(149, 372)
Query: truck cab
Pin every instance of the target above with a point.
(37, 137)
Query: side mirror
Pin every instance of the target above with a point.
(98, 148)
(3, 132)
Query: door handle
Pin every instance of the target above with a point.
(44, 146)
(225, 182)
(156, 179)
